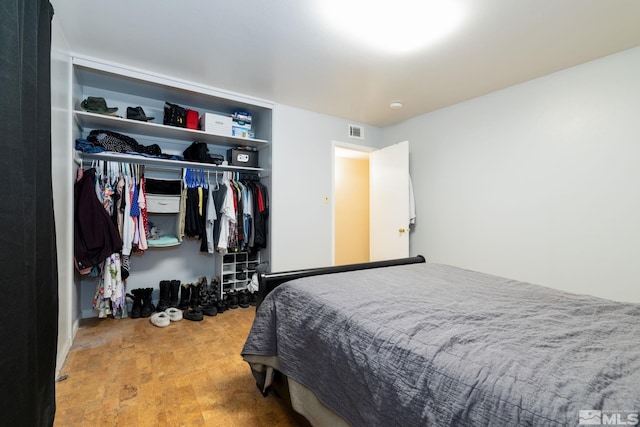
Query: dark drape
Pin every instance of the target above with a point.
(28, 273)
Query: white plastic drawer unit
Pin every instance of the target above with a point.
(161, 203)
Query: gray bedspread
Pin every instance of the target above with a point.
(435, 345)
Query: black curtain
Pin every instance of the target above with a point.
(28, 272)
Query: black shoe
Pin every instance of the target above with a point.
(137, 303)
(233, 299)
(243, 298)
(147, 304)
(215, 285)
(185, 295)
(209, 309)
(222, 306)
(165, 292)
(203, 291)
(194, 301)
(194, 314)
(137, 113)
(174, 291)
(253, 299)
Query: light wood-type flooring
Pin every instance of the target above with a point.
(129, 372)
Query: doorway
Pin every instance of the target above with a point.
(351, 205)
(371, 203)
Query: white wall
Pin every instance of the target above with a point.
(62, 176)
(538, 182)
(302, 157)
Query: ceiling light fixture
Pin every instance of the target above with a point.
(395, 105)
(400, 26)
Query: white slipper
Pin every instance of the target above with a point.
(174, 314)
(161, 319)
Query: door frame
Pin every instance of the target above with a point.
(347, 146)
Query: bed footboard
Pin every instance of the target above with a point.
(269, 281)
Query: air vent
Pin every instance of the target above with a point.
(356, 132)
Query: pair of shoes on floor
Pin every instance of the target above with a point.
(162, 319)
(142, 305)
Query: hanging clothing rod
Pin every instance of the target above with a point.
(164, 163)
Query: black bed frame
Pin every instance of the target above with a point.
(269, 281)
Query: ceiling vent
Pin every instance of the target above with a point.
(356, 132)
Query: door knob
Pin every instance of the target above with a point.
(401, 230)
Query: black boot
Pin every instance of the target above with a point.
(165, 291)
(185, 295)
(232, 298)
(174, 290)
(207, 299)
(193, 312)
(243, 298)
(137, 303)
(147, 304)
(222, 305)
(215, 287)
(253, 299)
(194, 302)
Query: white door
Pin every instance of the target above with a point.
(389, 202)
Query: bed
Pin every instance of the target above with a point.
(410, 343)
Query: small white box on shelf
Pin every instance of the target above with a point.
(216, 123)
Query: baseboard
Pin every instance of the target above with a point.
(65, 348)
(89, 313)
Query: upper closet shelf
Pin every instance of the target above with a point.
(101, 121)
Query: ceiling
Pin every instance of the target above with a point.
(281, 51)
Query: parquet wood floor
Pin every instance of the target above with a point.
(131, 373)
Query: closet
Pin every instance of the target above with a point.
(123, 87)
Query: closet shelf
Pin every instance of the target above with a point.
(118, 124)
(162, 163)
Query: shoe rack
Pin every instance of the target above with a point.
(236, 269)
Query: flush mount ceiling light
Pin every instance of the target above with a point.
(399, 26)
(395, 105)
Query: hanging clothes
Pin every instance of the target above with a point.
(211, 217)
(143, 221)
(95, 236)
(219, 193)
(227, 219)
(109, 298)
(242, 214)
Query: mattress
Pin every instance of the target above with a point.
(430, 344)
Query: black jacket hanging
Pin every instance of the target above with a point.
(95, 235)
